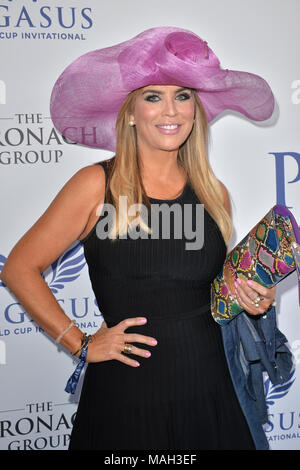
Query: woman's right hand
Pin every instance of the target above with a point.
(108, 343)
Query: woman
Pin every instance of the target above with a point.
(157, 376)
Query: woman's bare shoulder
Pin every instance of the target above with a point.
(91, 177)
(91, 180)
(63, 222)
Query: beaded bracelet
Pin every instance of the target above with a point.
(58, 339)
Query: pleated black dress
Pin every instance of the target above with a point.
(182, 396)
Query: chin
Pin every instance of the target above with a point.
(169, 146)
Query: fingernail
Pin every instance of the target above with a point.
(250, 283)
(137, 364)
(154, 341)
(148, 354)
(143, 320)
(238, 280)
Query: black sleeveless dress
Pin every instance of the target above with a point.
(182, 396)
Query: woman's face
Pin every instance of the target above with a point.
(164, 116)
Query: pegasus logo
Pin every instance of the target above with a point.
(2, 261)
(274, 392)
(65, 269)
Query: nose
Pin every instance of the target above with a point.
(170, 108)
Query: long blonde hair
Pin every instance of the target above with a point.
(125, 177)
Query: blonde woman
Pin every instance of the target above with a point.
(157, 376)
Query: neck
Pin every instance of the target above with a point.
(160, 164)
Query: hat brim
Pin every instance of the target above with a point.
(87, 96)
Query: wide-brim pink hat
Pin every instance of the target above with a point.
(88, 94)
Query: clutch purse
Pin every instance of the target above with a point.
(267, 254)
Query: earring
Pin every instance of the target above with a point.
(131, 123)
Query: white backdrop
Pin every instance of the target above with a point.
(258, 163)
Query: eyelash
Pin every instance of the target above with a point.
(186, 97)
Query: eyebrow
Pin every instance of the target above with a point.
(161, 92)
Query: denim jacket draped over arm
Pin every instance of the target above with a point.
(254, 346)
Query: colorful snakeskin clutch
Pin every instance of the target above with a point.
(267, 254)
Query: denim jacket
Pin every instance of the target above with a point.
(254, 345)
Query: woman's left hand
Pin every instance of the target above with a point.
(247, 292)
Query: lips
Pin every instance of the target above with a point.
(168, 128)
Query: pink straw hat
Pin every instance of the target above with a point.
(87, 96)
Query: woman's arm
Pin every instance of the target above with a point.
(60, 225)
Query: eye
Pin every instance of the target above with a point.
(152, 98)
(183, 96)
(180, 97)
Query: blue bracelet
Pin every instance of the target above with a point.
(73, 380)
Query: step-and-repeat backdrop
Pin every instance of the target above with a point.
(259, 164)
